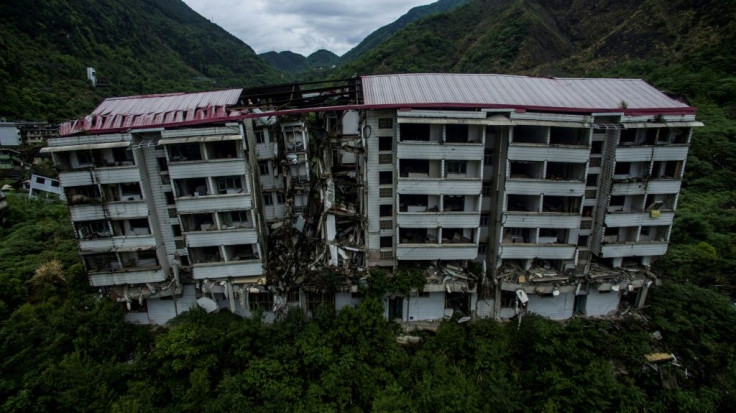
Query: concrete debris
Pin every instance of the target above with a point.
(207, 304)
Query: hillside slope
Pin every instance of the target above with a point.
(377, 37)
(136, 46)
(295, 63)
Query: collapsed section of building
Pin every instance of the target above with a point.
(509, 194)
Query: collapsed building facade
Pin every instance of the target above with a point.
(510, 194)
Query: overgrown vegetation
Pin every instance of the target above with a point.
(64, 348)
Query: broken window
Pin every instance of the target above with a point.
(260, 301)
(316, 299)
(565, 171)
(415, 168)
(508, 299)
(385, 178)
(260, 136)
(483, 220)
(456, 133)
(235, 219)
(458, 302)
(418, 203)
(596, 148)
(198, 222)
(418, 235)
(457, 235)
(223, 149)
(385, 143)
(456, 167)
(386, 210)
(667, 169)
(92, 229)
(568, 136)
(263, 168)
(522, 203)
(591, 180)
(229, 185)
(552, 236)
(79, 195)
(169, 198)
(162, 164)
(387, 242)
(453, 203)
(385, 123)
(414, 132)
(563, 204)
(482, 249)
(176, 230)
(530, 134)
(190, 187)
(185, 152)
(519, 235)
(203, 255)
(102, 262)
(267, 199)
(241, 252)
(529, 170)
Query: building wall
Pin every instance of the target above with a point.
(601, 304)
(555, 308)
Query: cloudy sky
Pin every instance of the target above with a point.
(302, 26)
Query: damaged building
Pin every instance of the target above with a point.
(510, 194)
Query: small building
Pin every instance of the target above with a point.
(45, 187)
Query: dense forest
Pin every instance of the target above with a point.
(63, 347)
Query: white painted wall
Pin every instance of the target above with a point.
(555, 308)
(600, 304)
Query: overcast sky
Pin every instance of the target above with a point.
(302, 26)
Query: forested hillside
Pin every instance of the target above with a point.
(65, 348)
(136, 46)
(682, 47)
(294, 63)
(416, 13)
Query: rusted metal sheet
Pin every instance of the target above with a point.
(146, 111)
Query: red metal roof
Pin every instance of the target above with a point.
(523, 92)
(149, 111)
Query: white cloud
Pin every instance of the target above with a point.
(302, 26)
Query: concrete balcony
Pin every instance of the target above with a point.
(130, 243)
(540, 220)
(211, 203)
(532, 152)
(86, 212)
(76, 178)
(126, 209)
(232, 269)
(654, 186)
(649, 153)
(438, 219)
(544, 251)
(129, 276)
(469, 186)
(635, 219)
(437, 251)
(117, 174)
(224, 237)
(435, 150)
(633, 249)
(199, 169)
(543, 186)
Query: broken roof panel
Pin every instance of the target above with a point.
(518, 92)
(160, 110)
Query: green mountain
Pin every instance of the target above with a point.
(295, 63)
(136, 46)
(416, 13)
